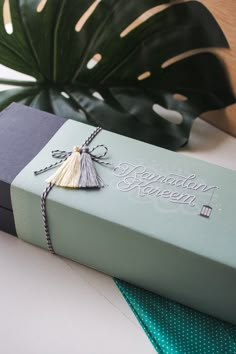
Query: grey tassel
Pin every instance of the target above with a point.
(89, 177)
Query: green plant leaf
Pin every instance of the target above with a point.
(21, 95)
(15, 51)
(131, 87)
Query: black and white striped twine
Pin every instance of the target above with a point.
(63, 156)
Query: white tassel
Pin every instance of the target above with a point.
(68, 175)
(89, 177)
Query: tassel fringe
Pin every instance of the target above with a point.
(89, 177)
(68, 175)
(78, 171)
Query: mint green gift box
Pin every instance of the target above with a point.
(163, 221)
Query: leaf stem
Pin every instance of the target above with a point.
(18, 83)
(55, 46)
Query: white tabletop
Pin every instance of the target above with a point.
(50, 305)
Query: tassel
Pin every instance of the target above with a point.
(89, 177)
(68, 175)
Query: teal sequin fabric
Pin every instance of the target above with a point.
(176, 329)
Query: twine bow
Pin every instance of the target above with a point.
(77, 169)
(63, 155)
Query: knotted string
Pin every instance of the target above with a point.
(63, 156)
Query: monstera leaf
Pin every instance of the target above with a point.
(132, 67)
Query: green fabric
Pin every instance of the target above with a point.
(177, 329)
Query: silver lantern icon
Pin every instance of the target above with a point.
(207, 209)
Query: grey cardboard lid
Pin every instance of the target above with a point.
(7, 223)
(24, 132)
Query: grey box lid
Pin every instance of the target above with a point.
(24, 132)
(7, 223)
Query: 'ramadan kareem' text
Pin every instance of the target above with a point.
(145, 183)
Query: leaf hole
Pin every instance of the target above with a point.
(7, 17)
(80, 111)
(65, 95)
(148, 14)
(98, 96)
(143, 18)
(84, 18)
(82, 114)
(41, 5)
(144, 75)
(10, 74)
(168, 114)
(180, 97)
(94, 61)
(185, 55)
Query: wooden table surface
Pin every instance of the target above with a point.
(225, 13)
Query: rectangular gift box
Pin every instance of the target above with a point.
(163, 221)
